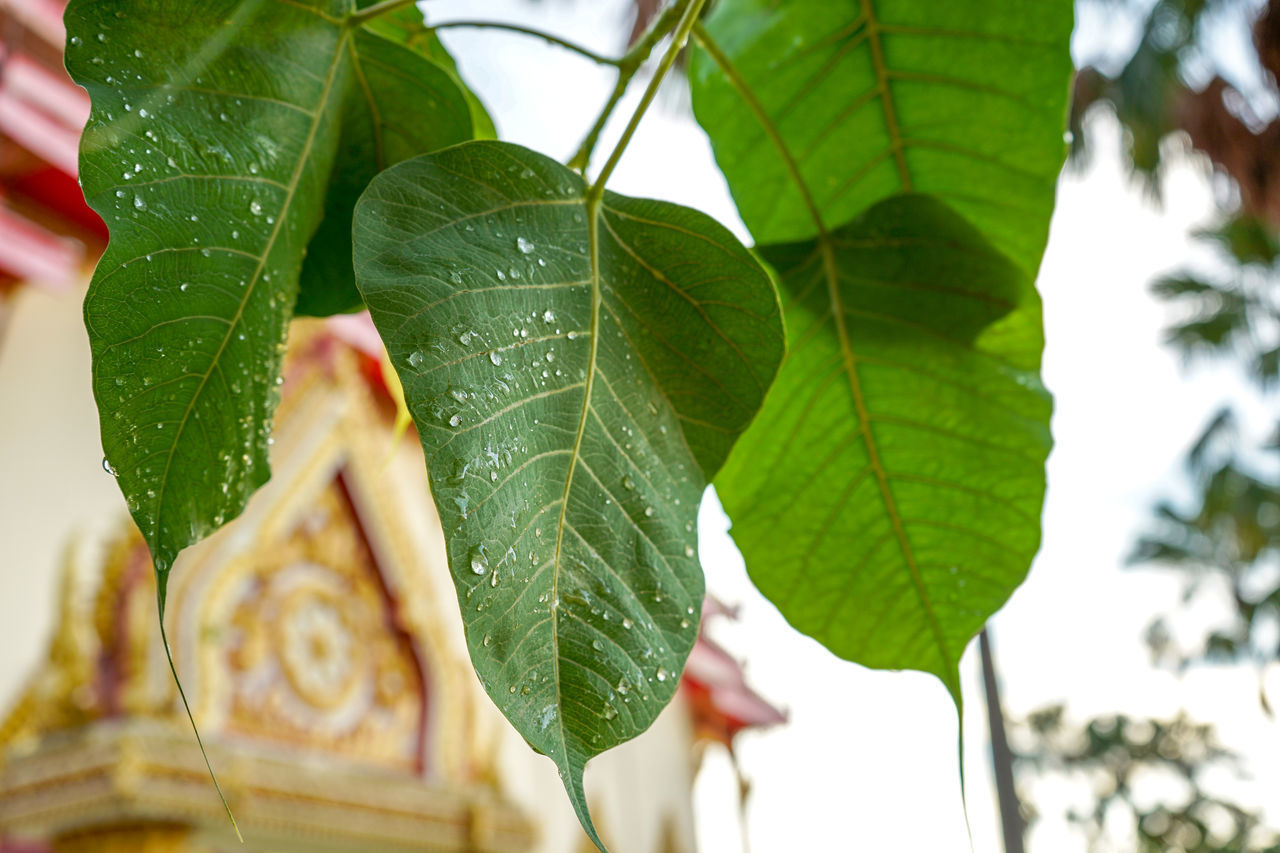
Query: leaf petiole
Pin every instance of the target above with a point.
(356, 19)
(690, 11)
(628, 65)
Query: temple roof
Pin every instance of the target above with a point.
(47, 232)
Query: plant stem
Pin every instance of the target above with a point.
(529, 31)
(627, 66)
(358, 18)
(582, 157)
(688, 18)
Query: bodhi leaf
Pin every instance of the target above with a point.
(965, 100)
(578, 370)
(887, 498)
(383, 124)
(822, 112)
(214, 138)
(406, 26)
(400, 106)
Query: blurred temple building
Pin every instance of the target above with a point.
(47, 233)
(319, 641)
(317, 636)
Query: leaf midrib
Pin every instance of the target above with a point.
(374, 111)
(886, 97)
(291, 191)
(830, 272)
(877, 467)
(593, 245)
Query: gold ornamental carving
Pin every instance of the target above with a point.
(314, 655)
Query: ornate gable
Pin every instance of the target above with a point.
(316, 647)
(319, 639)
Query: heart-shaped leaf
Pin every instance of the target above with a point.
(965, 100)
(578, 368)
(887, 499)
(214, 142)
(866, 525)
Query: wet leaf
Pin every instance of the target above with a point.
(887, 499)
(219, 132)
(578, 370)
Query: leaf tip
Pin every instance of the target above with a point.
(571, 776)
(161, 578)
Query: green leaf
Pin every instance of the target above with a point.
(887, 498)
(400, 106)
(965, 100)
(900, 507)
(214, 136)
(407, 27)
(578, 370)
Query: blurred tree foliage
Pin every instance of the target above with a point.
(1174, 83)
(1173, 94)
(1229, 535)
(1226, 542)
(1113, 756)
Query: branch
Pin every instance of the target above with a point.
(628, 65)
(529, 31)
(688, 19)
